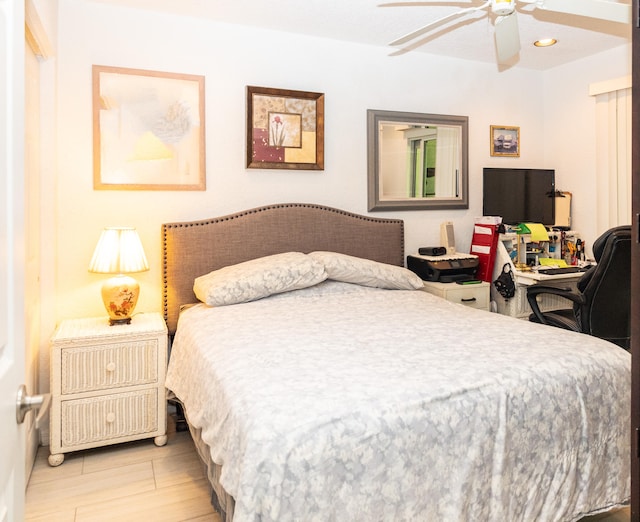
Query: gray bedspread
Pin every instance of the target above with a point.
(345, 403)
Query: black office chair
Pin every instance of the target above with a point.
(602, 305)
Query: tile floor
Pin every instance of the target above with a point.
(621, 515)
(137, 481)
(127, 482)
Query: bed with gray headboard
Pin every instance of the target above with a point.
(190, 249)
(355, 395)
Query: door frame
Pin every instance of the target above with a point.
(635, 266)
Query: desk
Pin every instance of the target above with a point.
(518, 306)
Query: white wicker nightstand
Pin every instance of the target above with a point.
(107, 383)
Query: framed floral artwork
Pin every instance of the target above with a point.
(285, 129)
(148, 130)
(505, 141)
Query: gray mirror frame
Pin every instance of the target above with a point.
(374, 117)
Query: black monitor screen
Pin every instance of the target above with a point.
(519, 195)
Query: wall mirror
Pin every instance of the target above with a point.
(417, 161)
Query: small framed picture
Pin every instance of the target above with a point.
(505, 141)
(285, 129)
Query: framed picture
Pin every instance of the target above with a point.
(285, 129)
(148, 130)
(505, 141)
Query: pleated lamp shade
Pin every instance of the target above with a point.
(119, 251)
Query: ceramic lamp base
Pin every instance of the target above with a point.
(120, 296)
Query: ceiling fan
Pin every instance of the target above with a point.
(507, 37)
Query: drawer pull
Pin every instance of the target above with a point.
(469, 300)
(111, 366)
(111, 417)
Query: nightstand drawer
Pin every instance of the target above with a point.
(107, 366)
(469, 296)
(473, 295)
(99, 419)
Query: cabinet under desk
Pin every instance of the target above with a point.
(518, 306)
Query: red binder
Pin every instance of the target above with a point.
(484, 244)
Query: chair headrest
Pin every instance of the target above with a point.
(598, 244)
(616, 234)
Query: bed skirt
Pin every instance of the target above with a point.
(222, 502)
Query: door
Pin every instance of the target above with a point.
(635, 268)
(12, 473)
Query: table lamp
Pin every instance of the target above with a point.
(119, 251)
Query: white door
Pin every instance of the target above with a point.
(12, 481)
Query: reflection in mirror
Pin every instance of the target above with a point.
(417, 161)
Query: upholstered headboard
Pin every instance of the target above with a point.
(195, 248)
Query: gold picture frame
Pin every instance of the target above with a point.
(148, 130)
(285, 129)
(505, 141)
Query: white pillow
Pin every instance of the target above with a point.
(350, 269)
(258, 278)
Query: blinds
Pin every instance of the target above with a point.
(613, 154)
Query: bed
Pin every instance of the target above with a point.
(333, 388)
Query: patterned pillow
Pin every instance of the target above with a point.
(366, 272)
(258, 278)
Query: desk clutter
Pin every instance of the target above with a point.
(534, 245)
(535, 254)
(529, 244)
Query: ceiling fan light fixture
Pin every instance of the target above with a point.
(503, 7)
(506, 35)
(545, 42)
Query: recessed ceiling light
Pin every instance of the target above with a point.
(545, 42)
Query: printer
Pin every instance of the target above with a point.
(445, 268)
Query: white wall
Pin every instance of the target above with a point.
(570, 130)
(353, 77)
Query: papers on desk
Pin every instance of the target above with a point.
(548, 261)
(538, 232)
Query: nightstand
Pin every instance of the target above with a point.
(474, 295)
(107, 383)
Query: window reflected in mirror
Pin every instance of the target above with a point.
(417, 161)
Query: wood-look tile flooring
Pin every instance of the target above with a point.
(137, 481)
(620, 515)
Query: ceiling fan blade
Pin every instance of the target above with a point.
(432, 3)
(507, 37)
(419, 32)
(611, 11)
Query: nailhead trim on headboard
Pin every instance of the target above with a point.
(208, 244)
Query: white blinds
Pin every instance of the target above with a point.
(613, 153)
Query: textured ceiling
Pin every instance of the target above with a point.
(364, 21)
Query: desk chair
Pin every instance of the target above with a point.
(602, 305)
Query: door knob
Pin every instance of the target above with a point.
(26, 403)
